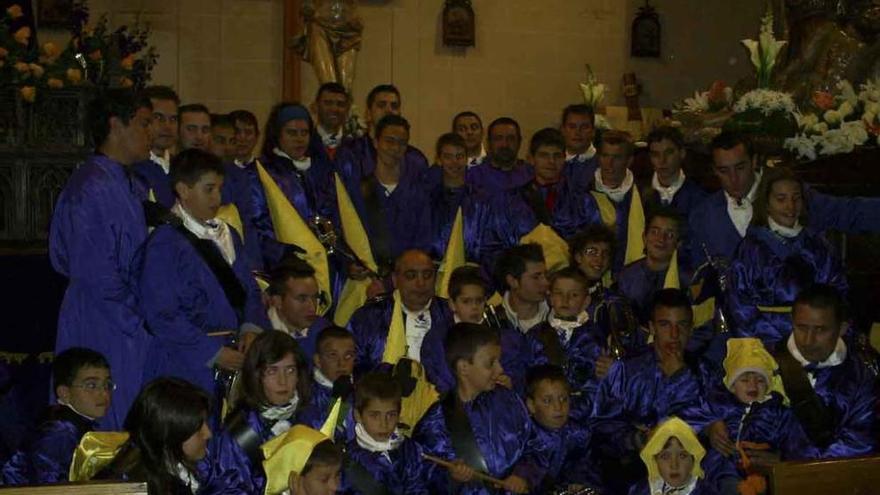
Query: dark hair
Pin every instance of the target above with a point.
(273, 126)
(388, 121)
(669, 133)
(513, 261)
(466, 113)
(449, 139)
(465, 275)
(765, 189)
(192, 108)
(326, 453)
(166, 412)
(671, 298)
(246, 117)
(547, 136)
(464, 339)
(666, 212)
(161, 93)
(822, 296)
(332, 332)
(190, 165)
(728, 140)
(614, 137)
(68, 363)
(504, 121)
(331, 87)
(579, 109)
(593, 234)
(117, 102)
(376, 385)
(270, 347)
(402, 255)
(294, 269)
(382, 88)
(570, 273)
(541, 372)
(222, 120)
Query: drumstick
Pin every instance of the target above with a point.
(448, 465)
(221, 333)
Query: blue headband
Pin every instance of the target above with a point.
(293, 112)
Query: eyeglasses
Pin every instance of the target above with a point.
(93, 386)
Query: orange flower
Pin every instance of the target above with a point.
(55, 83)
(22, 67)
(3, 52)
(22, 35)
(74, 75)
(95, 55)
(716, 91)
(51, 50)
(14, 11)
(823, 100)
(127, 63)
(36, 70)
(125, 82)
(29, 93)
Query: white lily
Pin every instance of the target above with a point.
(765, 50)
(593, 90)
(698, 104)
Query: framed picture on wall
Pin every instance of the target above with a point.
(646, 33)
(53, 14)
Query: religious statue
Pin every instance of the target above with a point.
(829, 41)
(331, 39)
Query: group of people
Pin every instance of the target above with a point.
(335, 314)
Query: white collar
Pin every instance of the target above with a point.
(242, 163)
(163, 161)
(566, 327)
(278, 323)
(282, 415)
(214, 230)
(187, 478)
(750, 197)
(617, 193)
(371, 444)
(836, 358)
(667, 193)
(329, 139)
(524, 325)
(70, 406)
(302, 165)
(787, 232)
(410, 313)
(473, 161)
(581, 157)
(321, 379)
(660, 487)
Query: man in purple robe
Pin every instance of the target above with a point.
(501, 170)
(154, 170)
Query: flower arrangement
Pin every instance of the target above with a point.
(95, 56)
(718, 98)
(764, 50)
(594, 93)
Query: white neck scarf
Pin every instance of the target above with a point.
(369, 443)
(281, 415)
(476, 160)
(787, 232)
(302, 164)
(565, 328)
(524, 325)
(187, 478)
(660, 487)
(278, 323)
(667, 193)
(740, 211)
(214, 230)
(417, 324)
(617, 193)
(242, 163)
(163, 161)
(321, 379)
(330, 140)
(582, 157)
(836, 358)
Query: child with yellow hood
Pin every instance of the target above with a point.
(673, 456)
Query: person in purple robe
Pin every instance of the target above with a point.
(97, 230)
(519, 351)
(274, 391)
(168, 439)
(293, 304)
(501, 170)
(83, 391)
(578, 126)
(392, 200)
(559, 448)
(522, 273)
(832, 392)
(363, 151)
(548, 199)
(718, 223)
(379, 454)
(332, 371)
(670, 187)
(195, 284)
(638, 392)
(154, 170)
(306, 180)
(247, 133)
(571, 339)
(469, 126)
(331, 106)
(780, 256)
(426, 317)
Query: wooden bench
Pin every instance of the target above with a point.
(87, 488)
(856, 476)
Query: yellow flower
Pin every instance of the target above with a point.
(36, 70)
(14, 11)
(55, 83)
(125, 82)
(74, 75)
(22, 67)
(95, 55)
(3, 52)
(22, 35)
(29, 93)
(127, 63)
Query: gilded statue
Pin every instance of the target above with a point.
(331, 39)
(828, 41)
